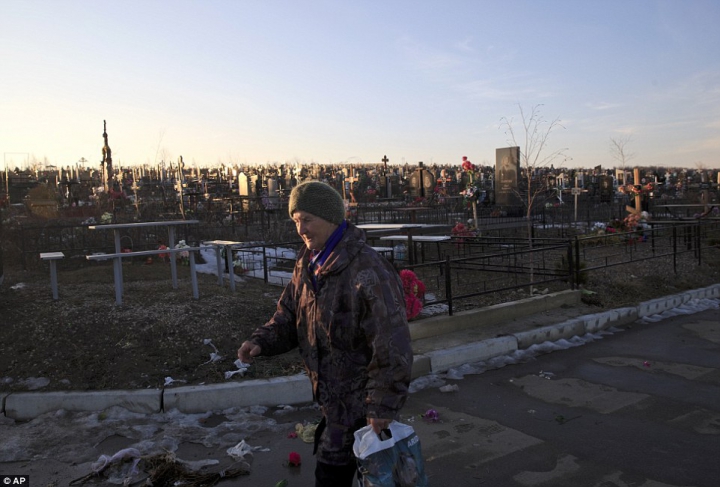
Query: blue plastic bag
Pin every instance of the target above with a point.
(395, 461)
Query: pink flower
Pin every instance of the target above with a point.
(431, 415)
(294, 459)
(414, 291)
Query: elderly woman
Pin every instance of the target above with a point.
(344, 309)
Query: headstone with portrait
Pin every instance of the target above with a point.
(507, 168)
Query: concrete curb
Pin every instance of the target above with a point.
(296, 389)
(28, 405)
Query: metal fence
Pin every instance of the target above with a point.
(454, 271)
(464, 268)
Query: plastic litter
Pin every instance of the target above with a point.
(214, 356)
(169, 381)
(105, 460)
(241, 369)
(306, 432)
(239, 451)
(450, 388)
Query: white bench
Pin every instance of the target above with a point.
(117, 266)
(53, 257)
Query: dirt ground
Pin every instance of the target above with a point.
(84, 341)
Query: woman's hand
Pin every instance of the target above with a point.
(379, 424)
(247, 351)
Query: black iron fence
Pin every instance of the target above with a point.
(454, 271)
(465, 268)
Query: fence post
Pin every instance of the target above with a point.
(22, 254)
(448, 285)
(265, 264)
(674, 237)
(572, 278)
(577, 262)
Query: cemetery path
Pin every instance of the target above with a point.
(84, 341)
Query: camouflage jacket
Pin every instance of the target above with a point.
(352, 335)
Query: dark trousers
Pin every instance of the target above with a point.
(327, 475)
(335, 475)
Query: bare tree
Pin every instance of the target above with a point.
(620, 152)
(532, 138)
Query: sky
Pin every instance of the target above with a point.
(344, 81)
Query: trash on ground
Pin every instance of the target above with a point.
(306, 432)
(239, 451)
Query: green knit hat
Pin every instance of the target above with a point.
(319, 199)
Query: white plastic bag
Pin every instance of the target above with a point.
(393, 462)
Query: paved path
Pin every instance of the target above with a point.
(636, 408)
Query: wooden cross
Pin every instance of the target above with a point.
(385, 161)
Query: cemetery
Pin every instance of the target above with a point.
(158, 261)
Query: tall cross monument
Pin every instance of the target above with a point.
(106, 165)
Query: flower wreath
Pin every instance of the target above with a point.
(414, 290)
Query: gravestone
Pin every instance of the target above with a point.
(606, 189)
(244, 190)
(254, 186)
(507, 168)
(385, 190)
(395, 185)
(422, 182)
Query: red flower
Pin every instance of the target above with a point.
(294, 459)
(413, 306)
(414, 290)
(163, 255)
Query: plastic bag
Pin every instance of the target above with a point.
(393, 462)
